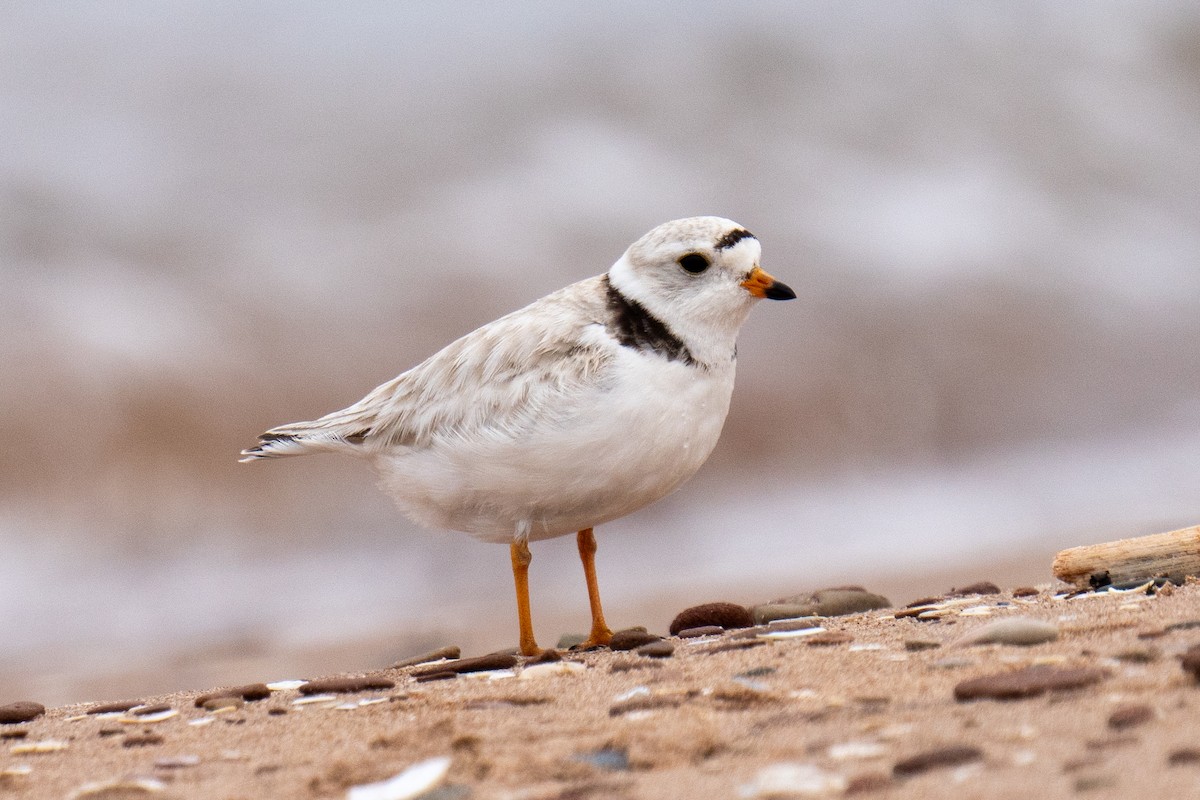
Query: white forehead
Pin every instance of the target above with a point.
(694, 233)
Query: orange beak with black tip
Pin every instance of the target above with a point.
(760, 284)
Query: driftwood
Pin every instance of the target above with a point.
(1174, 555)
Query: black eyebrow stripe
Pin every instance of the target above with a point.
(732, 238)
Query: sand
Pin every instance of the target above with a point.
(865, 708)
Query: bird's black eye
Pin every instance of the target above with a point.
(694, 263)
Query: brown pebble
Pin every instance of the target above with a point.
(646, 704)
(917, 645)
(14, 733)
(925, 601)
(1190, 661)
(981, 587)
(366, 683)
(1139, 655)
(1184, 755)
(723, 615)
(22, 711)
(868, 782)
(1025, 591)
(631, 639)
(1111, 743)
(429, 677)
(1129, 716)
(112, 708)
(547, 656)
(217, 703)
(703, 630)
(451, 652)
(277, 712)
(630, 665)
(105, 732)
(943, 757)
(828, 638)
(737, 644)
(1154, 633)
(660, 649)
(145, 711)
(478, 664)
(1026, 682)
(251, 691)
(142, 740)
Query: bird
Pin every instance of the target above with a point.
(578, 409)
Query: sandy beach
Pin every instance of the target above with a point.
(1026, 692)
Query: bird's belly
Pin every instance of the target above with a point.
(621, 449)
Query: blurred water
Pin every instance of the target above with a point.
(217, 217)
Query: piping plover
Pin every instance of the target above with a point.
(581, 408)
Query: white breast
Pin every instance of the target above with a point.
(620, 448)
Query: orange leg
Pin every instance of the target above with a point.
(587, 554)
(520, 566)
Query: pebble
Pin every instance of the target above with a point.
(1026, 682)
(177, 762)
(157, 714)
(917, 645)
(643, 703)
(868, 782)
(412, 782)
(612, 759)
(365, 683)
(22, 711)
(115, 707)
(836, 602)
(14, 733)
(727, 616)
(856, 750)
(44, 746)
(659, 649)
(491, 661)
(1129, 716)
(141, 740)
(441, 654)
(551, 669)
(791, 633)
(251, 691)
(703, 630)
(1184, 755)
(791, 779)
(569, 640)
(148, 711)
(932, 759)
(124, 788)
(631, 639)
(1020, 631)
(980, 587)
(1190, 661)
(216, 703)
(829, 638)
(1139, 655)
(769, 612)
(1025, 591)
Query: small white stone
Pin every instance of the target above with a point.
(44, 746)
(791, 634)
(16, 770)
(790, 779)
(202, 721)
(865, 647)
(126, 785)
(535, 671)
(637, 691)
(412, 782)
(314, 698)
(130, 719)
(976, 611)
(283, 686)
(853, 750)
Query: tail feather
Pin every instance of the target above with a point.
(297, 440)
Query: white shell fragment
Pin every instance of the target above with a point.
(127, 786)
(413, 782)
(148, 718)
(536, 671)
(314, 698)
(791, 634)
(44, 746)
(791, 779)
(283, 686)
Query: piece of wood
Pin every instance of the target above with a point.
(1174, 555)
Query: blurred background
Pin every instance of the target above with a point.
(219, 217)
